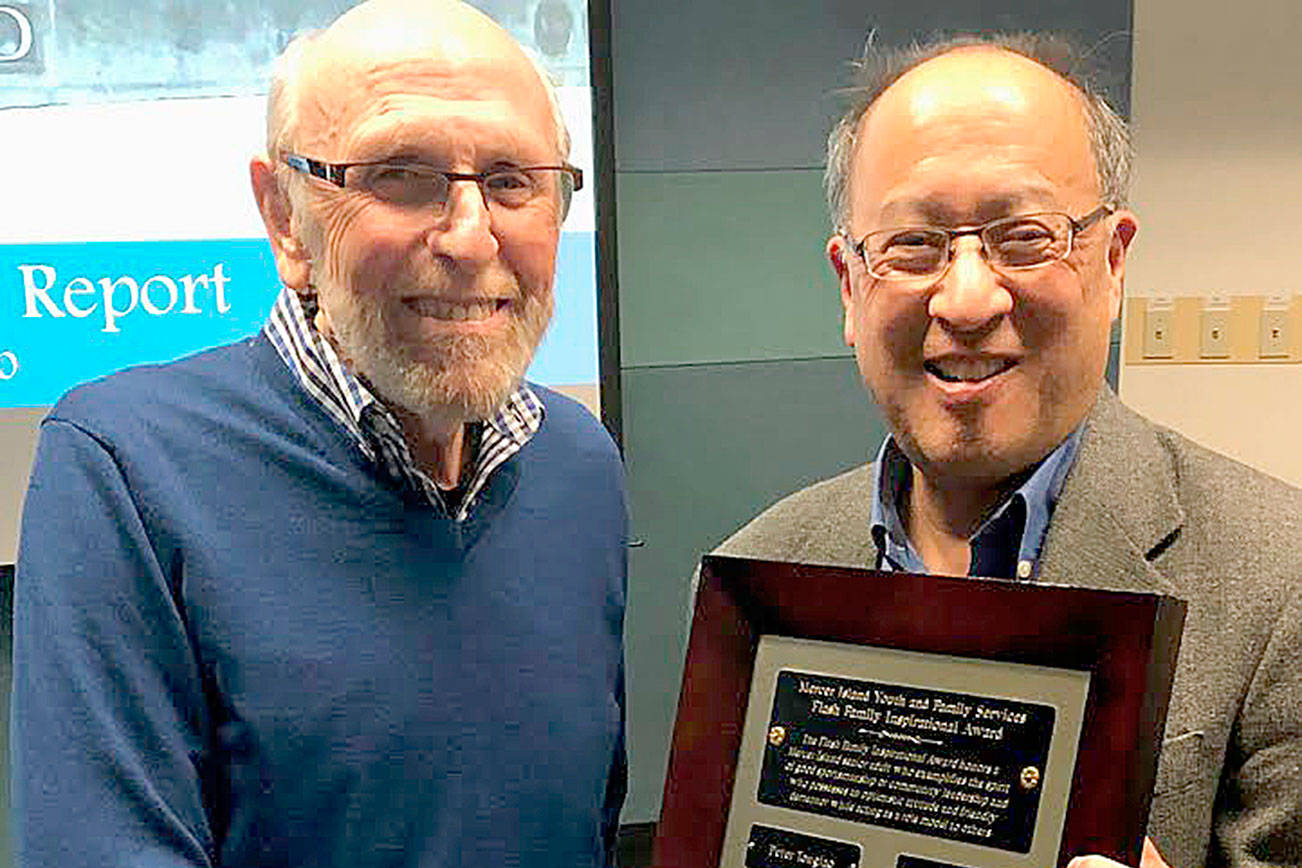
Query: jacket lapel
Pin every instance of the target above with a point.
(1118, 510)
(846, 537)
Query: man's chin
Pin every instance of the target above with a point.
(426, 389)
(466, 376)
(969, 463)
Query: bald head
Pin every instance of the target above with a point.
(993, 111)
(388, 24)
(1064, 63)
(973, 80)
(378, 37)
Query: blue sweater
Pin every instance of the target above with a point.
(234, 645)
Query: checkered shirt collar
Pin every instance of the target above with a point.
(372, 426)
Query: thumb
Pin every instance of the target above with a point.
(1151, 858)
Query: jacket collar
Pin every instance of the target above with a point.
(1119, 509)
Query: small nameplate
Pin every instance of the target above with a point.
(778, 848)
(946, 765)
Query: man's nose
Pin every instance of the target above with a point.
(969, 295)
(465, 228)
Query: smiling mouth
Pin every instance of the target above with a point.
(956, 370)
(456, 311)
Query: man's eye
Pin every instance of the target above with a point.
(1026, 243)
(508, 181)
(395, 182)
(395, 174)
(905, 252)
(906, 241)
(1024, 233)
(511, 188)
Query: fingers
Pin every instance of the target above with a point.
(1150, 859)
(1093, 862)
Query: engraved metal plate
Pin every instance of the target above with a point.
(768, 847)
(944, 764)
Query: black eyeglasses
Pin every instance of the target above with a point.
(1018, 242)
(415, 185)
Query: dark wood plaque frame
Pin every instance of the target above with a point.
(1127, 641)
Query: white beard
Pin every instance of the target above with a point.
(464, 375)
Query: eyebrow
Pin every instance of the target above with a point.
(408, 154)
(944, 212)
(408, 141)
(402, 156)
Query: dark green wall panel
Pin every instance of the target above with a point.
(753, 85)
(708, 447)
(724, 266)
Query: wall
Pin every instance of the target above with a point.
(736, 387)
(17, 443)
(1217, 112)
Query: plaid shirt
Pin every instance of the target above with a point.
(373, 427)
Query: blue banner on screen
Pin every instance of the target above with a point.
(129, 231)
(74, 312)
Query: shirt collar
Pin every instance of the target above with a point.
(316, 365)
(1008, 542)
(370, 424)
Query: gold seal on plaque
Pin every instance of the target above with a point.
(777, 735)
(1030, 778)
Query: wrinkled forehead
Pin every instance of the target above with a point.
(387, 69)
(980, 107)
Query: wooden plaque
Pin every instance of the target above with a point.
(1127, 643)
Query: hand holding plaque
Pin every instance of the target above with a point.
(836, 717)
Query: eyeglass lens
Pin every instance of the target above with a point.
(1015, 242)
(420, 186)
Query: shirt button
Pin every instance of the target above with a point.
(1023, 569)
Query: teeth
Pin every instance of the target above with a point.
(437, 309)
(967, 370)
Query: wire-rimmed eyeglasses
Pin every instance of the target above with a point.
(1018, 242)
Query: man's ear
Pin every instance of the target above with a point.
(293, 261)
(1124, 227)
(837, 252)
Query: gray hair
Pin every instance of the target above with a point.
(283, 93)
(879, 68)
(287, 83)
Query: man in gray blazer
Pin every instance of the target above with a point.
(978, 193)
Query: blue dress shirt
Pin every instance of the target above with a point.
(1006, 545)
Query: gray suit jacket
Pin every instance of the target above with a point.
(1145, 509)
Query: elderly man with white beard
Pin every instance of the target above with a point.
(348, 592)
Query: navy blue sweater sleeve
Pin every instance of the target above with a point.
(108, 712)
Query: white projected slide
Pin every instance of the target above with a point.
(129, 234)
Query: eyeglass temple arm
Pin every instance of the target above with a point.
(1091, 218)
(325, 171)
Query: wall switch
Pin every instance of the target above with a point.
(1212, 329)
(1214, 332)
(1274, 331)
(1159, 323)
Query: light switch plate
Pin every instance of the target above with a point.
(1214, 333)
(1159, 322)
(1274, 333)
